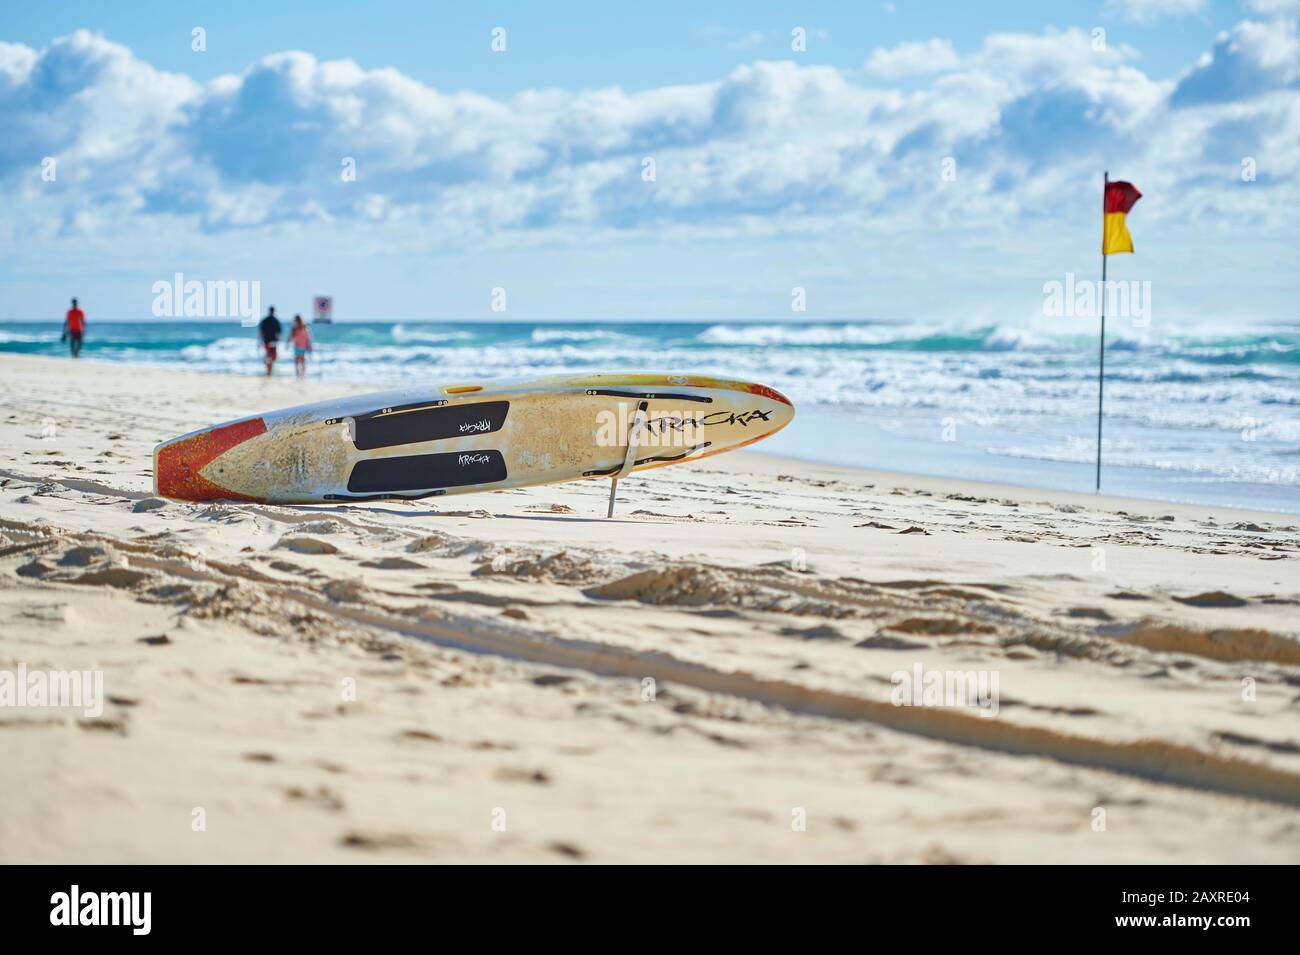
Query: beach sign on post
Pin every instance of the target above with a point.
(1117, 199)
(322, 309)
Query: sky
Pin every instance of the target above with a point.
(907, 161)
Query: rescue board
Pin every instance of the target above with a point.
(426, 442)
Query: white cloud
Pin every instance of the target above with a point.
(16, 62)
(1274, 7)
(1146, 11)
(773, 147)
(747, 41)
(1250, 59)
(92, 105)
(911, 58)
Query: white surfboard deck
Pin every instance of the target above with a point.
(423, 442)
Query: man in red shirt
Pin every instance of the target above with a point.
(74, 326)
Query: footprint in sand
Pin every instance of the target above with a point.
(322, 797)
(885, 642)
(393, 563)
(550, 509)
(1213, 598)
(375, 841)
(567, 849)
(321, 527)
(424, 735)
(823, 632)
(107, 726)
(938, 626)
(305, 545)
(1089, 613)
(84, 556)
(102, 566)
(346, 591)
(121, 577)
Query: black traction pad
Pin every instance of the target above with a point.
(418, 472)
(384, 429)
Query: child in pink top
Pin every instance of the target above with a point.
(300, 336)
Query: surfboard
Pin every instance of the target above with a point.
(425, 442)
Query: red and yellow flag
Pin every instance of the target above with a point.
(1120, 198)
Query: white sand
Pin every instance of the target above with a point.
(499, 646)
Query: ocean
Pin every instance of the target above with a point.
(1198, 418)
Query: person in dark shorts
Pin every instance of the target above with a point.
(74, 328)
(269, 329)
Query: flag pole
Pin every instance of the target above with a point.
(1101, 349)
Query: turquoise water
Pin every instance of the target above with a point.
(1193, 417)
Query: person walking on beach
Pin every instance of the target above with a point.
(269, 329)
(74, 328)
(300, 336)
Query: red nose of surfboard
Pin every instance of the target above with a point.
(781, 415)
(772, 393)
(178, 464)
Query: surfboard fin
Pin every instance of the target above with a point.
(629, 459)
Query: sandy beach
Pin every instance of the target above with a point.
(710, 676)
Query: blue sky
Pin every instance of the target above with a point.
(634, 46)
(773, 168)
